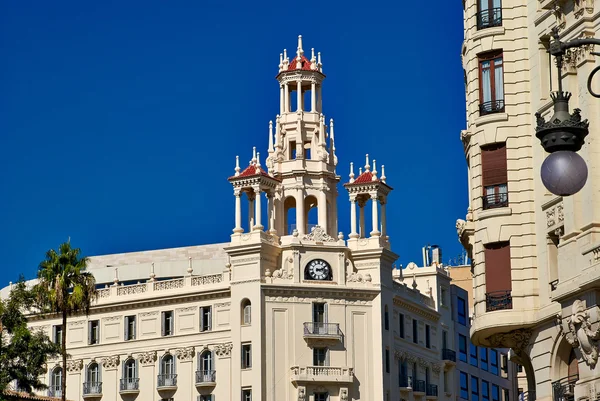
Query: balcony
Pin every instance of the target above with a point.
(322, 331)
(449, 356)
(92, 389)
(55, 391)
(564, 389)
(419, 387)
(493, 106)
(206, 378)
(406, 383)
(167, 382)
(489, 18)
(431, 391)
(498, 300)
(493, 201)
(322, 374)
(130, 385)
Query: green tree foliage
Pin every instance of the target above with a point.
(65, 288)
(23, 352)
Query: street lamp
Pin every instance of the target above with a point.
(564, 172)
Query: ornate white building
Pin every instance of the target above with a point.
(536, 256)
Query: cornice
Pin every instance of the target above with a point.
(421, 310)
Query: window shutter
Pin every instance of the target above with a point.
(326, 356)
(123, 369)
(493, 164)
(126, 328)
(136, 370)
(162, 323)
(201, 319)
(89, 333)
(325, 314)
(209, 317)
(497, 267)
(134, 328)
(172, 324)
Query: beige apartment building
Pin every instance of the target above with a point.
(536, 256)
(289, 309)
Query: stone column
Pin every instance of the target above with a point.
(110, 378)
(258, 210)
(361, 220)
(322, 208)
(353, 233)
(375, 216)
(238, 212)
(319, 100)
(281, 99)
(271, 212)
(313, 97)
(251, 196)
(185, 373)
(73, 376)
(286, 98)
(382, 202)
(147, 375)
(300, 223)
(299, 96)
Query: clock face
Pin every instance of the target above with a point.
(319, 270)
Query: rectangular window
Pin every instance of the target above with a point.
(474, 389)
(498, 280)
(246, 356)
(57, 334)
(415, 328)
(129, 328)
(473, 354)
(505, 394)
(320, 357)
(427, 336)
(494, 361)
(205, 318)
(504, 365)
(494, 176)
(321, 396)
(484, 358)
(401, 324)
(387, 361)
(247, 314)
(246, 394)
(485, 391)
(489, 13)
(93, 332)
(491, 83)
(319, 312)
(462, 348)
(461, 311)
(167, 323)
(495, 392)
(443, 295)
(520, 368)
(464, 386)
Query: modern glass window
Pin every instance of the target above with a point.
(485, 391)
(489, 13)
(464, 386)
(415, 328)
(57, 334)
(473, 354)
(321, 396)
(427, 336)
(474, 388)
(246, 312)
(495, 392)
(494, 361)
(484, 358)
(387, 361)
(247, 394)
(401, 325)
(461, 311)
(462, 348)
(246, 356)
(320, 357)
(93, 332)
(129, 328)
(386, 318)
(167, 323)
(205, 318)
(491, 83)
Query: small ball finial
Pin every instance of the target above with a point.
(237, 166)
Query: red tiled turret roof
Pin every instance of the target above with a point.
(304, 62)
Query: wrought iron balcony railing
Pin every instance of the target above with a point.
(564, 389)
(322, 329)
(130, 384)
(90, 388)
(489, 18)
(419, 386)
(498, 300)
(448, 355)
(405, 381)
(492, 201)
(206, 376)
(55, 391)
(493, 106)
(432, 390)
(167, 380)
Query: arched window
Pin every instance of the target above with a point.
(246, 312)
(56, 379)
(93, 382)
(130, 380)
(206, 367)
(167, 365)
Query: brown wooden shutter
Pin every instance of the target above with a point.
(493, 162)
(497, 267)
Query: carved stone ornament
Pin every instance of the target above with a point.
(318, 234)
(110, 362)
(147, 358)
(74, 366)
(579, 331)
(185, 354)
(301, 393)
(435, 368)
(223, 350)
(287, 270)
(518, 340)
(561, 19)
(344, 394)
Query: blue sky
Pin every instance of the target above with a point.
(120, 121)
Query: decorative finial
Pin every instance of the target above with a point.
(374, 173)
(360, 171)
(237, 166)
(285, 57)
(351, 172)
(383, 177)
(414, 283)
(270, 136)
(312, 54)
(300, 51)
(190, 269)
(152, 274)
(331, 128)
(116, 278)
(319, 60)
(258, 159)
(254, 155)
(367, 167)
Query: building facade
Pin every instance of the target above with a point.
(535, 256)
(287, 310)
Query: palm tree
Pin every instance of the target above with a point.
(65, 288)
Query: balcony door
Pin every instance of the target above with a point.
(490, 14)
(320, 318)
(491, 83)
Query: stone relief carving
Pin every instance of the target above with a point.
(561, 20)
(571, 58)
(344, 394)
(580, 6)
(351, 275)
(223, 350)
(111, 362)
(550, 217)
(301, 393)
(147, 358)
(579, 332)
(287, 270)
(74, 366)
(185, 354)
(318, 234)
(518, 340)
(78, 323)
